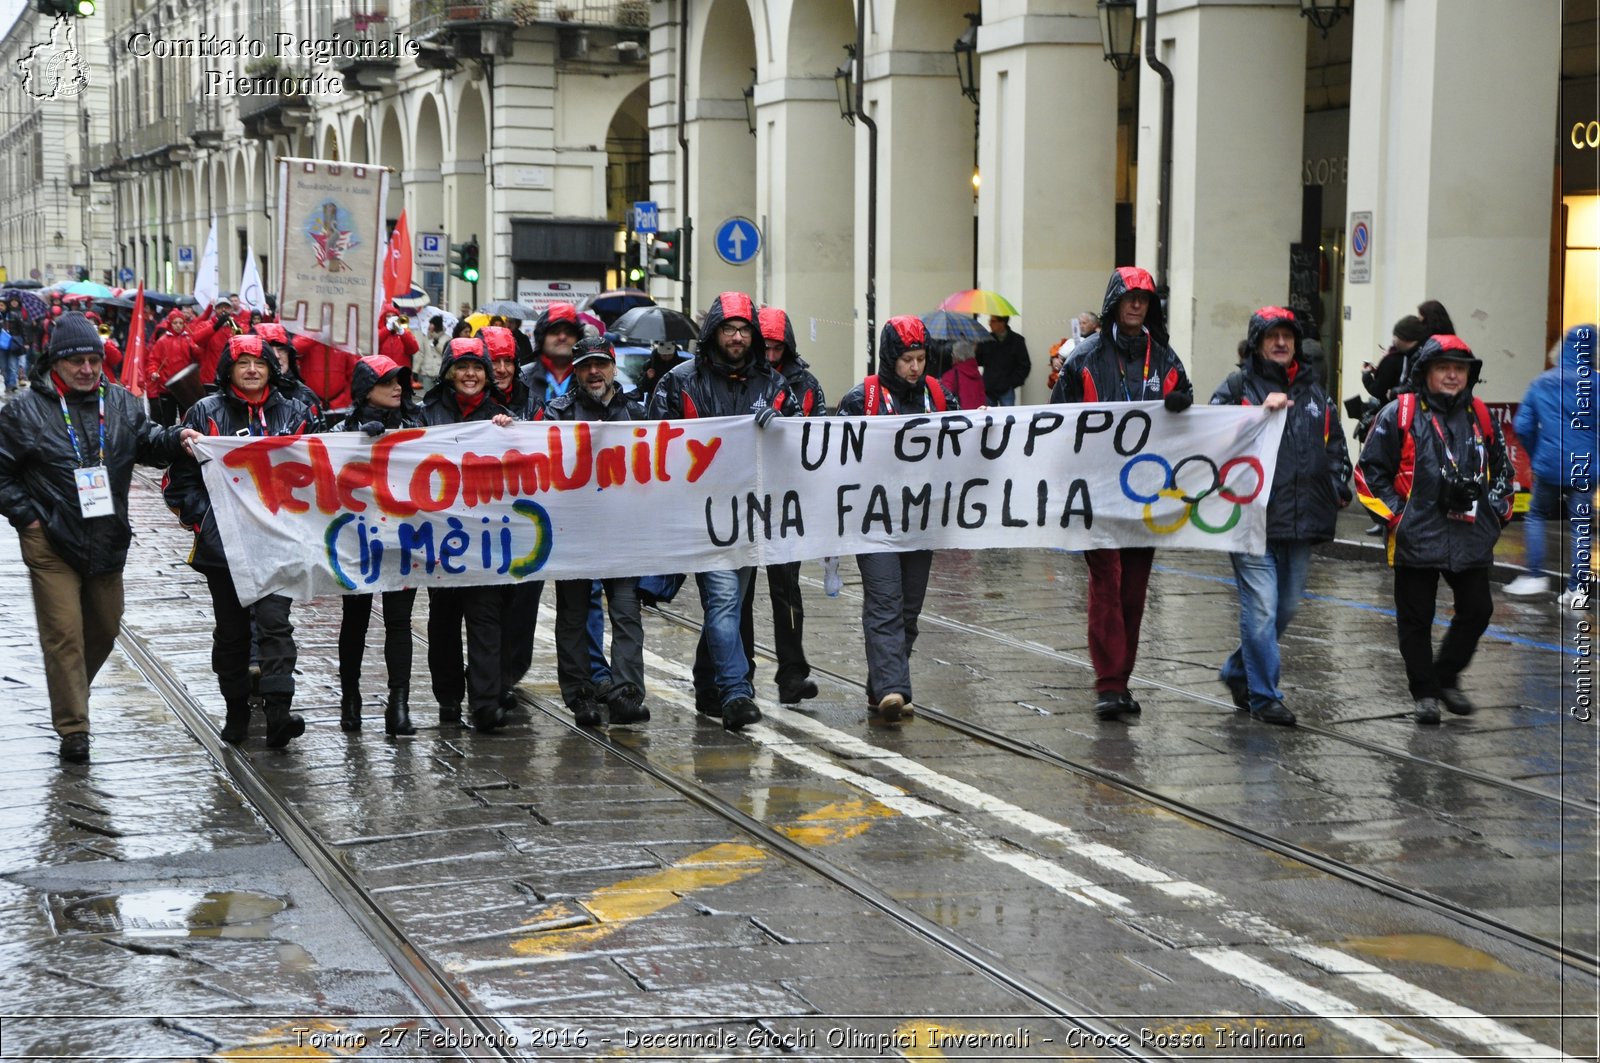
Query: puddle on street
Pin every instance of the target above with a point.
(1428, 948)
(155, 913)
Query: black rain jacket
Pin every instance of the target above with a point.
(899, 335)
(707, 386)
(1110, 367)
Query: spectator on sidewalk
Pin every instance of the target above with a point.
(964, 379)
(1310, 484)
(1004, 360)
(1435, 471)
(67, 450)
(1556, 425)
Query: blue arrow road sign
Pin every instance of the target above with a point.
(646, 217)
(738, 240)
(125, 275)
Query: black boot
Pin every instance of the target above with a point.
(350, 711)
(397, 714)
(283, 727)
(237, 727)
(626, 704)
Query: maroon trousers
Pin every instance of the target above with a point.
(1117, 583)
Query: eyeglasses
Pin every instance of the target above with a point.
(79, 361)
(734, 330)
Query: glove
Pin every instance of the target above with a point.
(372, 428)
(764, 416)
(1178, 401)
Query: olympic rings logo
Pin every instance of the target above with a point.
(1186, 483)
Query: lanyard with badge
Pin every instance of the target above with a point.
(94, 481)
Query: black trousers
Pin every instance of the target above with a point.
(1415, 594)
(230, 640)
(788, 624)
(573, 665)
(477, 679)
(397, 653)
(519, 605)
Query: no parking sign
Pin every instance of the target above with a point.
(1360, 271)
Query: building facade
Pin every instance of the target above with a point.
(1402, 155)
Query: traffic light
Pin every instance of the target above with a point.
(635, 274)
(666, 255)
(464, 260)
(66, 8)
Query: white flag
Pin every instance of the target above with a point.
(251, 293)
(207, 286)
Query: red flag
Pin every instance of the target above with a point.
(133, 358)
(397, 264)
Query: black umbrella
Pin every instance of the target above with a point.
(645, 324)
(610, 305)
(28, 284)
(507, 308)
(947, 325)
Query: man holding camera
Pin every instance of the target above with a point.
(1435, 471)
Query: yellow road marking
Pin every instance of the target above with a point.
(720, 865)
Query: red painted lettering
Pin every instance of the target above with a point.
(422, 496)
(701, 455)
(380, 472)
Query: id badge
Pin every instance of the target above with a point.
(94, 492)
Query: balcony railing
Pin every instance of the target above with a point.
(157, 137)
(366, 72)
(203, 121)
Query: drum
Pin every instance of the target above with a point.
(184, 386)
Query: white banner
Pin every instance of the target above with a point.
(207, 283)
(251, 293)
(474, 503)
(330, 243)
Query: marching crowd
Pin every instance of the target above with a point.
(1433, 471)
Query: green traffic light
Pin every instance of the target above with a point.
(470, 275)
(84, 8)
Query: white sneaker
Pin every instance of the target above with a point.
(1574, 599)
(1528, 584)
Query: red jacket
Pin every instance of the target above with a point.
(398, 348)
(170, 352)
(326, 371)
(211, 341)
(113, 357)
(965, 382)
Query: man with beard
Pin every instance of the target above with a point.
(724, 379)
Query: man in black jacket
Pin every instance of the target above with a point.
(1003, 357)
(594, 396)
(1309, 487)
(67, 450)
(725, 379)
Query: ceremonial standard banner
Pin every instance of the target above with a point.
(330, 244)
(475, 503)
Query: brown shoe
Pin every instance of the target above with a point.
(892, 707)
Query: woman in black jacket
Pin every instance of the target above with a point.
(463, 394)
(247, 401)
(893, 585)
(380, 396)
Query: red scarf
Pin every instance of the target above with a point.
(558, 375)
(468, 404)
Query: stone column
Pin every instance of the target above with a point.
(1456, 170)
(1048, 146)
(806, 180)
(1238, 119)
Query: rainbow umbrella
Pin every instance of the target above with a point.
(979, 301)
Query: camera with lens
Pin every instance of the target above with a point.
(1458, 493)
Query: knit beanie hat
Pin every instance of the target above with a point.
(74, 334)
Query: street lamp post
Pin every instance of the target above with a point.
(851, 107)
(1324, 14)
(1117, 38)
(966, 51)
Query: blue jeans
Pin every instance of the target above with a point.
(1546, 504)
(721, 670)
(11, 363)
(1270, 587)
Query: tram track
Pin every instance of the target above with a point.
(443, 999)
(1573, 958)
